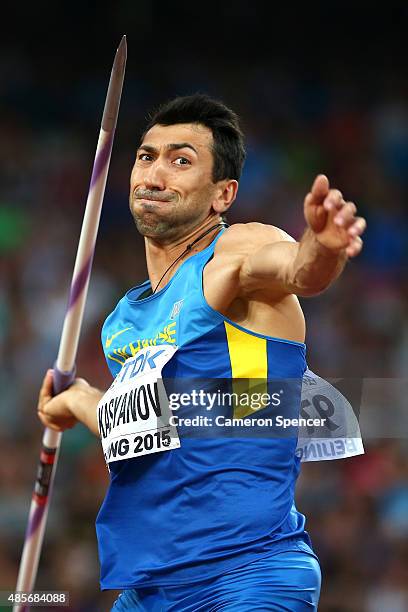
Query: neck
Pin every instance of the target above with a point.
(160, 257)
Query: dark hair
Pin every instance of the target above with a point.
(228, 148)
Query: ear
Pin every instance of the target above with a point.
(225, 195)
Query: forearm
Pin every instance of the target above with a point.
(304, 268)
(314, 267)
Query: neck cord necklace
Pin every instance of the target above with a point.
(189, 247)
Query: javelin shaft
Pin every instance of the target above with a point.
(64, 369)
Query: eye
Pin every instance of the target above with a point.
(181, 161)
(144, 157)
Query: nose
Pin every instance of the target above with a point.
(154, 176)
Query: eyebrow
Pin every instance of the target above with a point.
(170, 147)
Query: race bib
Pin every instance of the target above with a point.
(339, 436)
(134, 414)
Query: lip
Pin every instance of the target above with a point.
(149, 201)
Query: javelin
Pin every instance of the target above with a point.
(64, 369)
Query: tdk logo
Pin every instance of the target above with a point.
(135, 366)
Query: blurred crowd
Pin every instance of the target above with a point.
(357, 509)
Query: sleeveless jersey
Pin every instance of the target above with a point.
(218, 501)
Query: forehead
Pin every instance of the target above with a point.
(193, 133)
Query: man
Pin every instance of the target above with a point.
(205, 522)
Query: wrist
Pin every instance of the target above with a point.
(326, 251)
(83, 398)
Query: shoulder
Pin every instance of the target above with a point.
(246, 237)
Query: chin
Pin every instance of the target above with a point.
(153, 228)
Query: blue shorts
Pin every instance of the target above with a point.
(288, 580)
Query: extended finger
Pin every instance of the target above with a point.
(354, 247)
(345, 217)
(334, 200)
(358, 227)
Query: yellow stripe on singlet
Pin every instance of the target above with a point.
(249, 360)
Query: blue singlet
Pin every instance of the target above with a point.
(216, 503)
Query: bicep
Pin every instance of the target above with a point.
(261, 257)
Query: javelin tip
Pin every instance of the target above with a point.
(111, 109)
(122, 49)
(120, 58)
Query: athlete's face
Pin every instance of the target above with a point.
(171, 187)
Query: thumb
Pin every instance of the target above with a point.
(314, 211)
(320, 188)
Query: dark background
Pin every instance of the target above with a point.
(320, 88)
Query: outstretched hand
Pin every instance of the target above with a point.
(333, 220)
